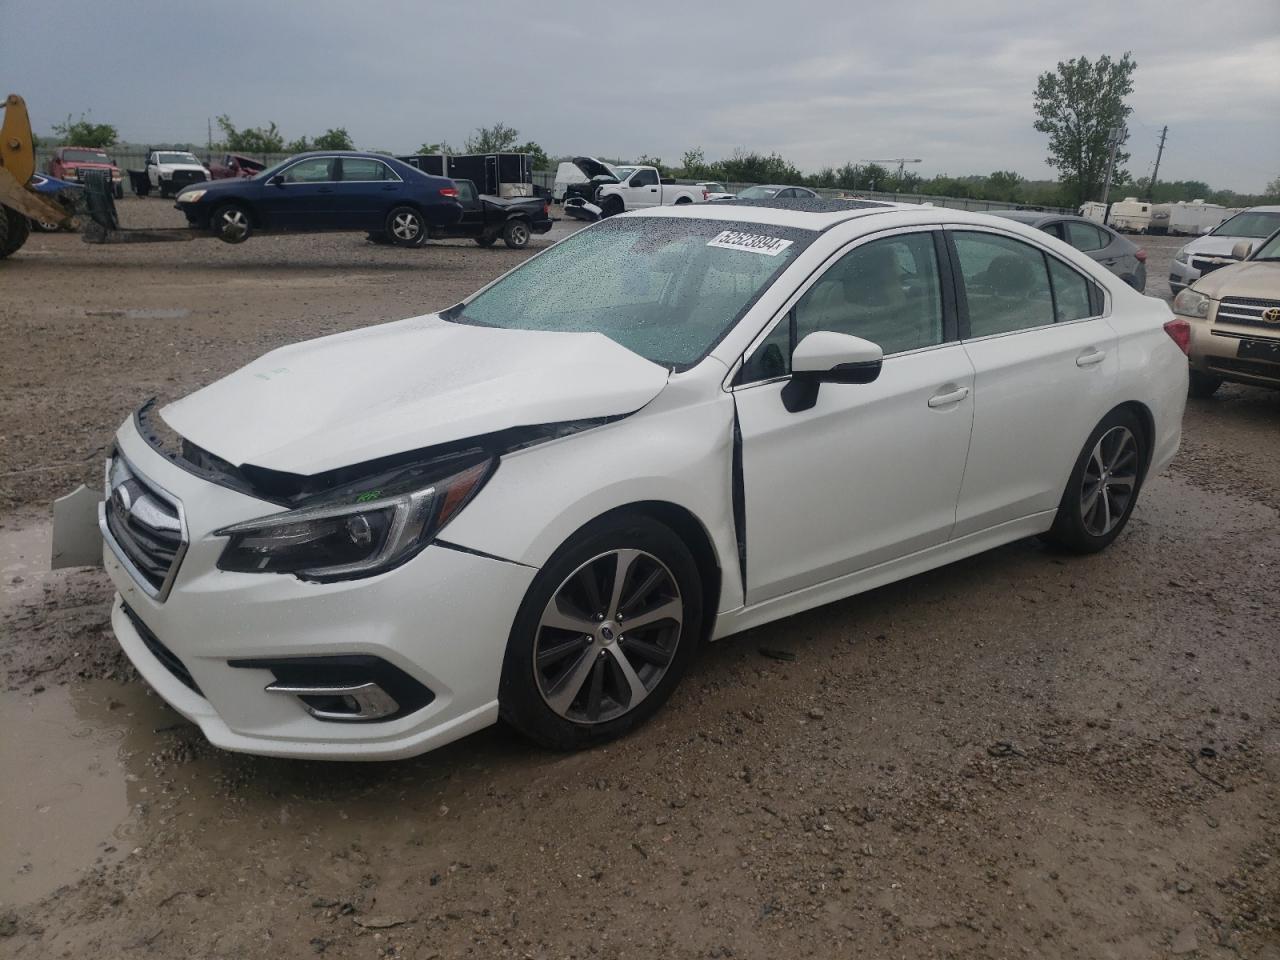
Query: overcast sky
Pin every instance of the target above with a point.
(820, 83)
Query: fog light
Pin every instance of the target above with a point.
(344, 689)
(364, 701)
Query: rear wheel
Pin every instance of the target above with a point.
(515, 234)
(231, 223)
(405, 227)
(14, 230)
(607, 629)
(1202, 384)
(1103, 487)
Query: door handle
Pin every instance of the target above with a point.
(948, 398)
(1090, 357)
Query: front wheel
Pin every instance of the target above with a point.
(1202, 385)
(405, 227)
(1103, 487)
(611, 207)
(515, 234)
(231, 223)
(14, 230)
(486, 241)
(607, 629)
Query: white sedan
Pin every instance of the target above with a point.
(667, 428)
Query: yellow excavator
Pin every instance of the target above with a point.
(19, 204)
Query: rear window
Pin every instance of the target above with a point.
(668, 289)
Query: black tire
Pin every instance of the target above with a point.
(14, 230)
(516, 233)
(485, 241)
(1202, 385)
(118, 191)
(682, 201)
(164, 194)
(231, 223)
(661, 553)
(611, 207)
(378, 237)
(1095, 508)
(405, 227)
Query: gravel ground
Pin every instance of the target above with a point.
(1023, 754)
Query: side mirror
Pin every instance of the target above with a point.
(829, 357)
(277, 180)
(1242, 249)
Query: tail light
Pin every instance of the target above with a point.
(1179, 332)
(449, 191)
(705, 194)
(1141, 255)
(546, 209)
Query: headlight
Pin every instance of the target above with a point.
(360, 529)
(1182, 256)
(191, 196)
(1191, 303)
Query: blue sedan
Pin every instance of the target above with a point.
(333, 190)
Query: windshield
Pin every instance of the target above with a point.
(1270, 250)
(624, 172)
(1252, 223)
(666, 288)
(758, 193)
(176, 158)
(85, 156)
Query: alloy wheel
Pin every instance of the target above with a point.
(405, 226)
(1110, 481)
(607, 636)
(519, 234)
(235, 224)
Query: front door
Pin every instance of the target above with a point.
(1046, 364)
(872, 471)
(642, 190)
(303, 198)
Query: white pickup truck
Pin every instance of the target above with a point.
(643, 187)
(168, 171)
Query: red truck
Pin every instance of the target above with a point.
(236, 165)
(71, 163)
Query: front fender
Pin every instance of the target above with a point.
(540, 496)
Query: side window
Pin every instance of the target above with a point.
(1070, 292)
(315, 170)
(1054, 229)
(772, 358)
(1085, 236)
(645, 178)
(886, 291)
(363, 169)
(1006, 283)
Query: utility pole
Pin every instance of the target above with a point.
(1151, 187)
(1116, 135)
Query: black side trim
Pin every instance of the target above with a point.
(478, 553)
(950, 317)
(957, 287)
(335, 671)
(739, 500)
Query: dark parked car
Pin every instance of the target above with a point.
(324, 191)
(1120, 255)
(486, 218)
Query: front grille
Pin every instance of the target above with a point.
(145, 527)
(167, 657)
(1252, 368)
(184, 177)
(1208, 266)
(1247, 311)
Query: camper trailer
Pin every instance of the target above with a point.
(1195, 218)
(1130, 215)
(1095, 211)
(494, 174)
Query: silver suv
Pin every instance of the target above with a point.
(1213, 250)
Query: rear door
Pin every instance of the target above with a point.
(871, 472)
(304, 198)
(366, 191)
(1045, 362)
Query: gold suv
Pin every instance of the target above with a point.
(1235, 320)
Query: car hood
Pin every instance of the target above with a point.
(591, 167)
(215, 188)
(1253, 278)
(396, 387)
(1215, 246)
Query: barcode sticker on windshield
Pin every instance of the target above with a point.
(751, 242)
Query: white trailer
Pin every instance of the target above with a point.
(1095, 211)
(1194, 218)
(1130, 215)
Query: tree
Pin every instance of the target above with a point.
(1003, 185)
(648, 161)
(85, 133)
(537, 156)
(1077, 105)
(301, 145)
(496, 139)
(1273, 188)
(438, 147)
(253, 140)
(693, 164)
(334, 139)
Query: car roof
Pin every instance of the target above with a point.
(1030, 216)
(1266, 208)
(819, 215)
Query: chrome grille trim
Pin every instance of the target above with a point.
(146, 528)
(1246, 311)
